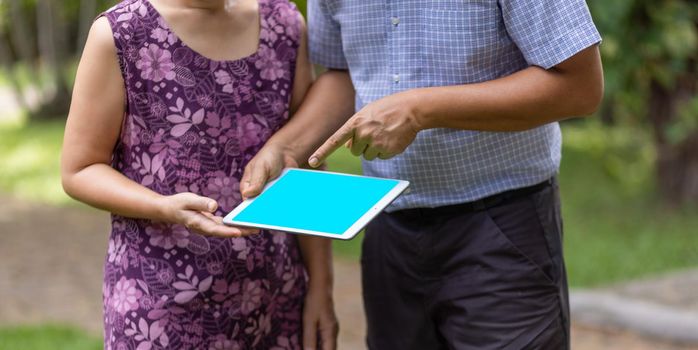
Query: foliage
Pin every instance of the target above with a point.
(47, 338)
(302, 5)
(647, 41)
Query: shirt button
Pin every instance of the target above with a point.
(395, 20)
(396, 78)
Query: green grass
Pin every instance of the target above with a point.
(29, 160)
(47, 338)
(614, 227)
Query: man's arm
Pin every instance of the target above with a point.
(524, 100)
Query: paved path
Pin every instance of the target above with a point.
(51, 266)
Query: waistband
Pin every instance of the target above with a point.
(480, 204)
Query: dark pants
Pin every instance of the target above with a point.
(483, 275)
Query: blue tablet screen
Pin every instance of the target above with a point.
(316, 201)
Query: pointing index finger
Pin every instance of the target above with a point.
(344, 134)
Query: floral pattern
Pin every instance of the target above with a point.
(192, 124)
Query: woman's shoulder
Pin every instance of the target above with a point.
(126, 10)
(283, 15)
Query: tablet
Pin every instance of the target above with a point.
(317, 203)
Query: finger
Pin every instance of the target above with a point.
(244, 231)
(384, 156)
(344, 134)
(246, 175)
(309, 334)
(371, 153)
(258, 178)
(358, 146)
(328, 338)
(209, 227)
(248, 231)
(349, 143)
(199, 203)
(209, 215)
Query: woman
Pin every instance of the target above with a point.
(172, 99)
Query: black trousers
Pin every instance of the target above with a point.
(482, 275)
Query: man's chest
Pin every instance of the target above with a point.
(452, 41)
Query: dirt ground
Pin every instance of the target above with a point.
(51, 268)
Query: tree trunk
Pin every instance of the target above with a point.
(22, 37)
(6, 66)
(677, 163)
(52, 48)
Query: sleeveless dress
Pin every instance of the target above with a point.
(191, 125)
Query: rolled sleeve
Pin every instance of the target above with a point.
(324, 37)
(549, 32)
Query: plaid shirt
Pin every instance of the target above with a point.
(395, 45)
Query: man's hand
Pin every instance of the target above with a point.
(264, 167)
(382, 129)
(320, 326)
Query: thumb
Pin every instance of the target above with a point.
(253, 179)
(310, 335)
(199, 203)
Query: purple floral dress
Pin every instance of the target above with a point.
(192, 124)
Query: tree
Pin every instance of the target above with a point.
(45, 38)
(650, 55)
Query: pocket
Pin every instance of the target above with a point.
(547, 205)
(517, 225)
(461, 39)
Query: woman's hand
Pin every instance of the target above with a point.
(264, 167)
(196, 213)
(320, 326)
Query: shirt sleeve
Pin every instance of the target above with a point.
(549, 32)
(324, 36)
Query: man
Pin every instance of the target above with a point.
(461, 98)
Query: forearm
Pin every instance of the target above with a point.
(101, 186)
(520, 101)
(317, 257)
(328, 104)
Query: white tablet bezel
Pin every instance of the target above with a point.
(347, 235)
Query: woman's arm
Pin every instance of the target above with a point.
(92, 130)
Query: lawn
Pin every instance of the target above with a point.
(47, 338)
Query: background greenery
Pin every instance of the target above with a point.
(629, 176)
(49, 337)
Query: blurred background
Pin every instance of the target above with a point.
(629, 182)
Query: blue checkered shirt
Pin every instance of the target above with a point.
(395, 45)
